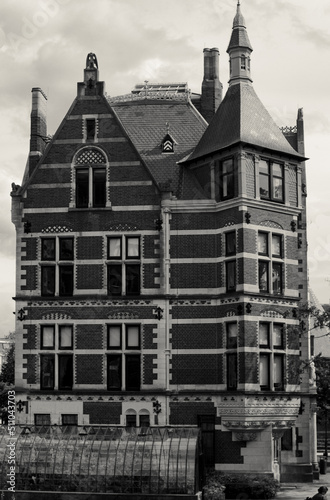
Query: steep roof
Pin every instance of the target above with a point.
(148, 121)
(239, 36)
(241, 117)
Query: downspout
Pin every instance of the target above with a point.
(166, 222)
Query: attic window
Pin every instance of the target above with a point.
(168, 144)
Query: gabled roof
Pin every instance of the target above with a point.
(241, 117)
(145, 122)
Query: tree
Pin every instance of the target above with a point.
(7, 378)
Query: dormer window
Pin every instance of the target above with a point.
(168, 144)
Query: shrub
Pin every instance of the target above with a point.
(236, 485)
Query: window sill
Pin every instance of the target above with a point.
(89, 209)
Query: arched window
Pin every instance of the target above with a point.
(90, 174)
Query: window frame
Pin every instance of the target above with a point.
(127, 345)
(231, 264)
(228, 235)
(124, 270)
(226, 179)
(60, 346)
(42, 424)
(271, 177)
(61, 376)
(44, 250)
(114, 347)
(85, 190)
(264, 263)
(231, 340)
(51, 373)
(42, 345)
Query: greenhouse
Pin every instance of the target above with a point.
(151, 460)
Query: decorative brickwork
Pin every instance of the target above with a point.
(90, 276)
(150, 273)
(182, 413)
(149, 336)
(247, 334)
(90, 247)
(228, 451)
(196, 336)
(184, 246)
(149, 363)
(247, 367)
(29, 248)
(30, 277)
(30, 337)
(197, 369)
(30, 363)
(89, 336)
(103, 413)
(196, 275)
(89, 369)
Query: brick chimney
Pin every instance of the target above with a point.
(211, 86)
(38, 138)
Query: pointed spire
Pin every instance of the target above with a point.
(239, 19)
(239, 50)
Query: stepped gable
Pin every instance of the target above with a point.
(148, 121)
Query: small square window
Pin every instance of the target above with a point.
(47, 337)
(48, 249)
(65, 337)
(66, 248)
(132, 337)
(132, 248)
(114, 248)
(277, 245)
(264, 334)
(231, 243)
(42, 419)
(114, 336)
(263, 243)
(70, 419)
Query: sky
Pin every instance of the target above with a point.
(44, 43)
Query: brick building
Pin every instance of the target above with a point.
(161, 257)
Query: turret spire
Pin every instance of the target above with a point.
(239, 50)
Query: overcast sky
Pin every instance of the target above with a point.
(44, 43)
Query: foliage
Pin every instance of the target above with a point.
(253, 487)
(7, 374)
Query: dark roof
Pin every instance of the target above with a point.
(241, 117)
(145, 122)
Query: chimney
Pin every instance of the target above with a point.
(211, 86)
(38, 138)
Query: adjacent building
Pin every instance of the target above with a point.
(161, 259)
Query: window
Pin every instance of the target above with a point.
(124, 277)
(90, 129)
(70, 422)
(65, 336)
(71, 419)
(270, 245)
(56, 369)
(264, 339)
(231, 275)
(47, 368)
(124, 367)
(232, 371)
(131, 420)
(90, 174)
(231, 331)
(57, 278)
(47, 337)
(271, 181)
(42, 419)
(231, 243)
(144, 420)
(65, 371)
(243, 61)
(226, 175)
(271, 360)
